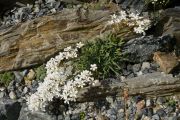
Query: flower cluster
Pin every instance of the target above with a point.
(160, 2)
(138, 23)
(60, 81)
(154, 1)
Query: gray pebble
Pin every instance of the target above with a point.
(161, 112)
(155, 117)
(25, 90)
(136, 68)
(145, 65)
(12, 95)
(161, 100)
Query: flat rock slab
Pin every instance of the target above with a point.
(150, 85)
(34, 42)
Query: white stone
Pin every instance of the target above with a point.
(145, 65)
(2, 94)
(148, 102)
(109, 99)
(25, 90)
(12, 95)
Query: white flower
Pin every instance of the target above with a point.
(138, 23)
(85, 74)
(68, 49)
(79, 82)
(110, 22)
(114, 16)
(139, 30)
(93, 67)
(134, 16)
(123, 15)
(34, 102)
(79, 45)
(60, 81)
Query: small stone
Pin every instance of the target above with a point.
(161, 112)
(161, 100)
(150, 112)
(126, 72)
(17, 85)
(140, 105)
(138, 98)
(145, 118)
(12, 95)
(145, 71)
(24, 72)
(2, 88)
(121, 111)
(145, 111)
(19, 76)
(109, 99)
(101, 117)
(2, 94)
(18, 94)
(11, 86)
(167, 62)
(149, 102)
(123, 78)
(155, 117)
(129, 67)
(151, 71)
(67, 117)
(131, 75)
(60, 117)
(154, 66)
(75, 117)
(30, 76)
(170, 109)
(145, 65)
(112, 111)
(25, 90)
(139, 73)
(136, 68)
(20, 89)
(175, 118)
(138, 114)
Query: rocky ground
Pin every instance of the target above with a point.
(152, 54)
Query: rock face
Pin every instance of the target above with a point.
(172, 26)
(142, 49)
(33, 42)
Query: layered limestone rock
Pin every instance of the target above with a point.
(33, 42)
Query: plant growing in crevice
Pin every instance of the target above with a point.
(6, 78)
(105, 53)
(82, 115)
(129, 22)
(40, 72)
(62, 80)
